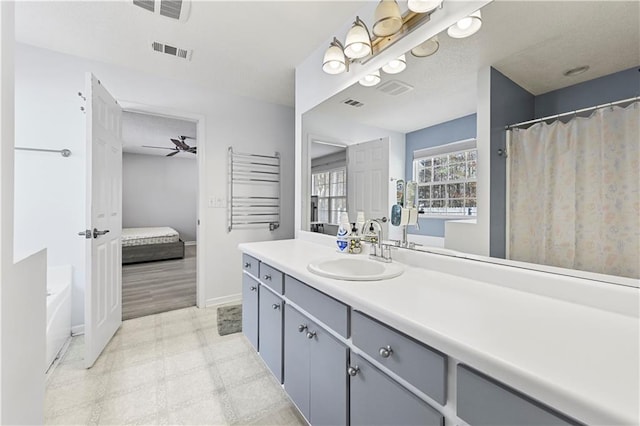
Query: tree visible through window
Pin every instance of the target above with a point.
(331, 189)
(447, 183)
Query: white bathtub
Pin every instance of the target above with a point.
(58, 310)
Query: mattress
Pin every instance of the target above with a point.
(146, 236)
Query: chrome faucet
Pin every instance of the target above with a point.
(378, 251)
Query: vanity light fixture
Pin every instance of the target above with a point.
(395, 66)
(335, 61)
(370, 80)
(423, 6)
(388, 19)
(466, 26)
(358, 41)
(426, 48)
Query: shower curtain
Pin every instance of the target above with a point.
(574, 196)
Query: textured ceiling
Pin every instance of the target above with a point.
(239, 47)
(532, 43)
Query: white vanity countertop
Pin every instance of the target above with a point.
(581, 360)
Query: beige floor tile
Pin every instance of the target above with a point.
(285, 416)
(241, 369)
(75, 393)
(253, 399)
(205, 412)
(139, 323)
(228, 347)
(137, 337)
(177, 315)
(74, 371)
(177, 328)
(182, 343)
(145, 373)
(126, 409)
(136, 355)
(190, 386)
(184, 361)
(79, 416)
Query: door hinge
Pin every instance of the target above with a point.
(86, 233)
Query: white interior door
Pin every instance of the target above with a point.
(103, 289)
(368, 179)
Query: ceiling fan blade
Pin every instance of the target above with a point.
(173, 153)
(158, 147)
(177, 143)
(187, 137)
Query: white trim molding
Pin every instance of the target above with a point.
(217, 301)
(77, 330)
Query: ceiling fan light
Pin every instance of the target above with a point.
(423, 6)
(388, 19)
(358, 41)
(370, 79)
(334, 61)
(466, 26)
(395, 66)
(426, 48)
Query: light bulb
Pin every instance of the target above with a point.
(466, 26)
(370, 79)
(464, 23)
(395, 66)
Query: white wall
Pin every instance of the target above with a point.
(22, 285)
(160, 191)
(47, 87)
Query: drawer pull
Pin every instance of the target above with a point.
(276, 306)
(247, 265)
(267, 277)
(385, 352)
(253, 288)
(302, 327)
(311, 334)
(352, 371)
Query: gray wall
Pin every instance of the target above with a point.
(510, 104)
(160, 191)
(440, 134)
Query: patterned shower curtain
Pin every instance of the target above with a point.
(574, 193)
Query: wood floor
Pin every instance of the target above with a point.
(153, 287)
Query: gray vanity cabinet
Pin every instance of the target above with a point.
(250, 308)
(270, 316)
(378, 400)
(315, 370)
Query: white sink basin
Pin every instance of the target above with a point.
(355, 269)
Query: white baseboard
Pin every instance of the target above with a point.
(217, 301)
(77, 330)
(190, 243)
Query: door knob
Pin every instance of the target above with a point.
(87, 234)
(276, 306)
(385, 352)
(267, 277)
(247, 265)
(302, 328)
(253, 288)
(97, 233)
(311, 334)
(352, 371)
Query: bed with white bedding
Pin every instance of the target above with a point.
(151, 243)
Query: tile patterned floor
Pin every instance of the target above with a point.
(168, 369)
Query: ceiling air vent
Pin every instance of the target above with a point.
(394, 87)
(353, 103)
(174, 9)
(172, 50)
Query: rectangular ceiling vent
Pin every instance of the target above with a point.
(174, 9)
(394, 87)
(172, 50)
(353, 103)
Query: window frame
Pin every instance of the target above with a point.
(463, 146)
(331, 199)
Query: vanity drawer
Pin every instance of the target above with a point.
(328, 310)
(423, 367)
(250, 264)
(483, 401)
(271, 277)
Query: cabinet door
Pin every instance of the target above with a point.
(250, 309)
(378, 400)
(296, 359)
(270, 326)
(328, 378)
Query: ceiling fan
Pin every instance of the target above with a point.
(180, 146)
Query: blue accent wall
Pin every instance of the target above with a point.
(510, 104)
(610, 88)
(440, 134)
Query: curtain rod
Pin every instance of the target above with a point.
(63, 152)
(578, 111)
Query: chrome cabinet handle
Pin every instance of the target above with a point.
(253, 288)
(247, 265)
(302, 328)
(311, 334)
(352, 371)
(267, 277)
(385, 352)
(276, 306)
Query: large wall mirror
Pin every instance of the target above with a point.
(536, 50)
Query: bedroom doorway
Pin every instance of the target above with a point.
(160, 205)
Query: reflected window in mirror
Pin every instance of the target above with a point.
(447, 179)
(330, 188)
